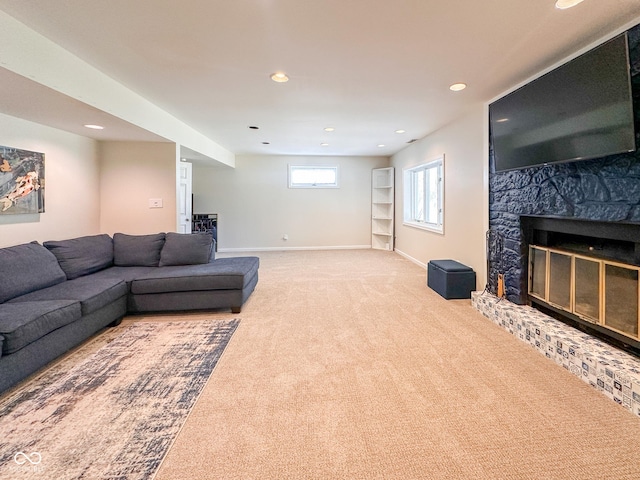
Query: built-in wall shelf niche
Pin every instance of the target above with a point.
(382, 208)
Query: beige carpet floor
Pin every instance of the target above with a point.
(346, 366)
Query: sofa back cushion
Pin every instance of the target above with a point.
(83, 255)
(26, 268)
(186, 249)
(137, 250)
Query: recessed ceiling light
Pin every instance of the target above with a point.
(564, 4)
(279, 77)
(329, 129)
(253, 127)
(456, 87)
(324, 144)
(266, 143)
(400, 131)
(95, 127)
(380, 145)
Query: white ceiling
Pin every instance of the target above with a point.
(364, 67)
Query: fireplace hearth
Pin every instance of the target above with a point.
(587, 274)
(611, 371)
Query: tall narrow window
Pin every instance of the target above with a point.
(313, 176)
(423, 195)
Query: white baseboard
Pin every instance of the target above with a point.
(284, 249)
(411, 259)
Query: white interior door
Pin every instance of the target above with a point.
(184, 200)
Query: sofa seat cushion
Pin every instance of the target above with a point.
(22, 323)
(25, 268)
(128, 274)
(92, 293)
(221, 274)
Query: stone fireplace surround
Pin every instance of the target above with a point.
(602, 189)
(605, 190)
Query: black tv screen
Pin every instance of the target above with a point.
(582, 109)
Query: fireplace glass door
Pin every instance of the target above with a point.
(550, 276)
(621, 298)
(587, 278)
(560, 280)
(598, 291)
(538, 272)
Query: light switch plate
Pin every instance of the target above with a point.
(155, 203)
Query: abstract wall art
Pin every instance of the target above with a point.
(21, 181)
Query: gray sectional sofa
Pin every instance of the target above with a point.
(55, 295)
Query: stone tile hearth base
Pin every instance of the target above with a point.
(611, 371)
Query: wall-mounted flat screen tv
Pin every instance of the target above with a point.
(582, 109)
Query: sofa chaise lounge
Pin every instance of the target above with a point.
(56, 295)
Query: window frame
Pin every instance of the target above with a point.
(410, 195)
(292, 168)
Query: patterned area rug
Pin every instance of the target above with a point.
(114, 414)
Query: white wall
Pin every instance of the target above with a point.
(72, 205)
(131, 173)
(256, 208)
(463, 143)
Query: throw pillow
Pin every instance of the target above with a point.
(84, 255)
(137, 250)
(186, 249)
